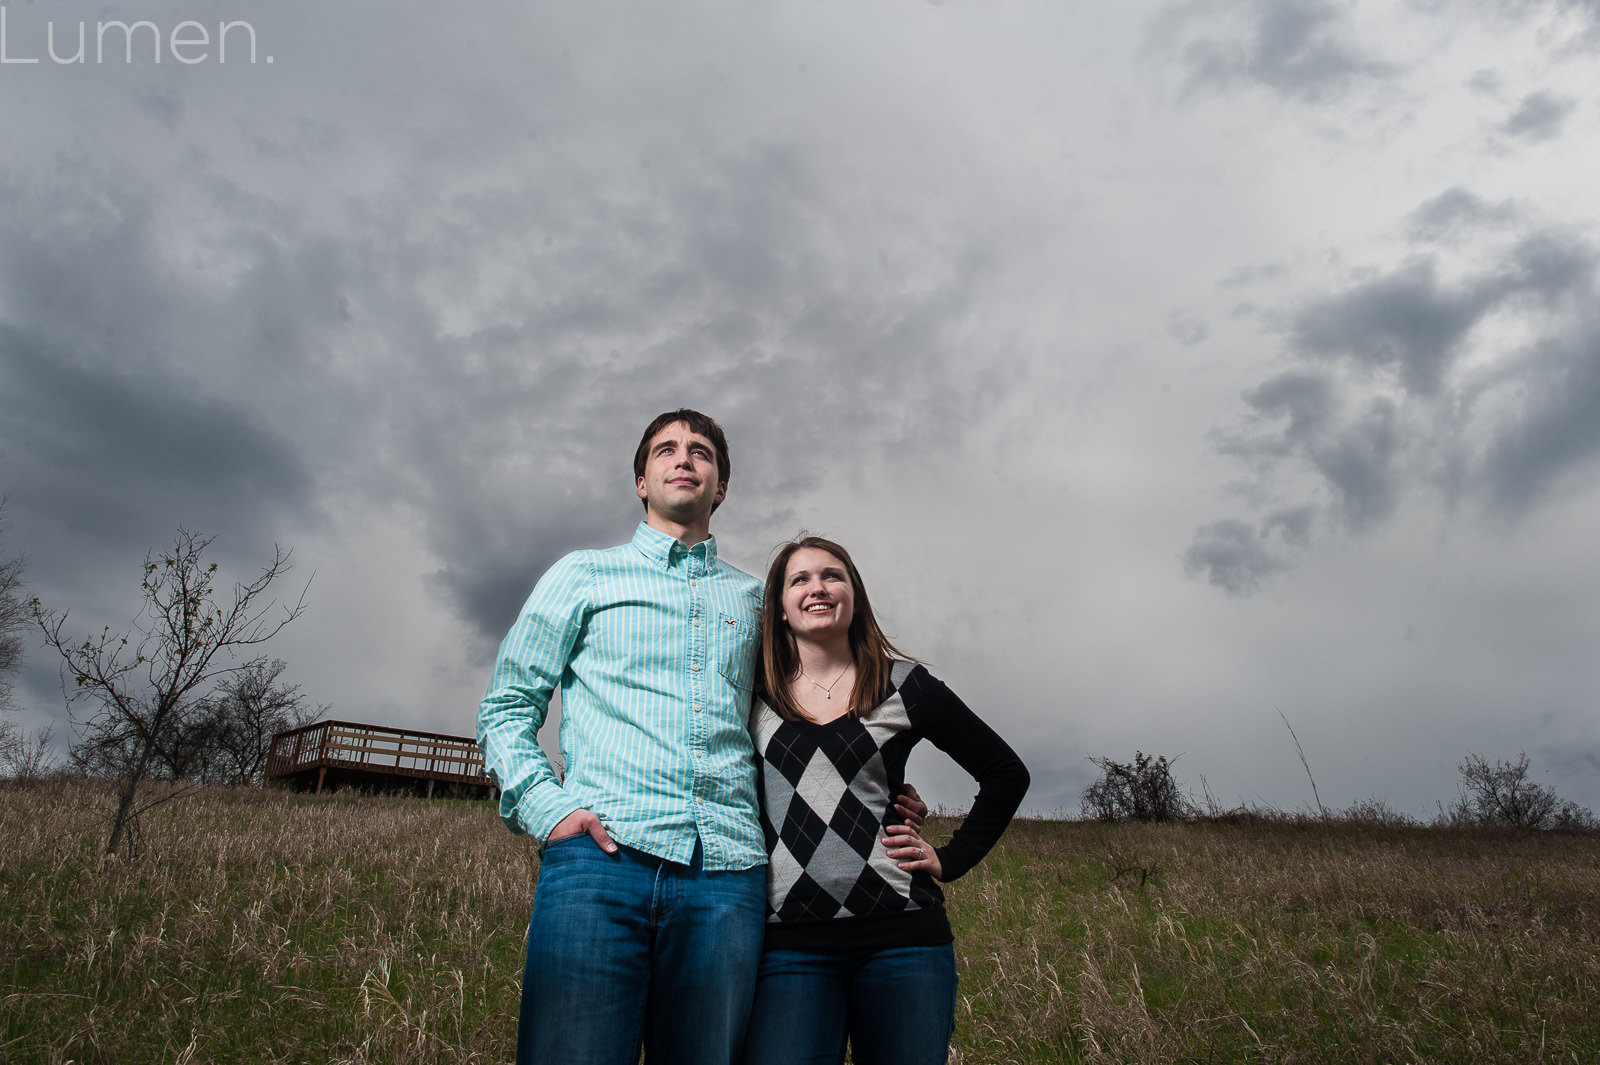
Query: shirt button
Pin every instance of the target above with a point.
(697, 623)
(695, 667)
(698, 708)
(691, 582)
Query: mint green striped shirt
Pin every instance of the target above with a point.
(653, 646)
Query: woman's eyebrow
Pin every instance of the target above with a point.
(825, 571)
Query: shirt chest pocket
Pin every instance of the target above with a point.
(733, 649)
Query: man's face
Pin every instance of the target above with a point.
(680, 476)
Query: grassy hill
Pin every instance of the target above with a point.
(260, 927)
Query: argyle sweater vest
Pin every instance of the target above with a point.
(828, 793)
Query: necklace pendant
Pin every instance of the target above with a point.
(828, 692)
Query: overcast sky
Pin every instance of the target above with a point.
(1165, 365)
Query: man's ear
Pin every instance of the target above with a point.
(722, 491)
(639, 490)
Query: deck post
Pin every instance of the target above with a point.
(320, 774)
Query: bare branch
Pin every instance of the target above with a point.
(157, 691)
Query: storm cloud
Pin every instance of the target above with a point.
(1304, 50)
(1158, 361)
(1482, 390)
(1540, 116)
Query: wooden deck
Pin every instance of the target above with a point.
(348, 754)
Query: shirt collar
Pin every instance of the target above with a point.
(664, 550)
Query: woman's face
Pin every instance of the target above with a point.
(818, 600)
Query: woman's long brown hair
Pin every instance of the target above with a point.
(780, 663)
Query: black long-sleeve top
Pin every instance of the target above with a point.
(828, 793)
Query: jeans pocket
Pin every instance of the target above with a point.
(564, 841)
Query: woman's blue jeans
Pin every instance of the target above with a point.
(627, 950)
(896, 1007)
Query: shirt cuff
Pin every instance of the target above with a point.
(542, 809)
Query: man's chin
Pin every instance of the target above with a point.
(686, 512)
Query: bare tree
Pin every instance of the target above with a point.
(1502, 794)
(1141, 790)
(13, 619)
(243, 714)
(149, 687)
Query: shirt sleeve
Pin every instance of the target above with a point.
(527, 669)
(1002, 778)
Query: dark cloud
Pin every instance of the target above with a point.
(1234, 556)
(1539, 117)
(1457, 212)
(482, 372)
(1405, 321)
(104, 455)
(1359, 463)
(1507, 435)
(1409, 322)
(1556, 434)
(1301, 49)
(1292, 524)
(1306, 397)
(728, 293)
(1299, 414)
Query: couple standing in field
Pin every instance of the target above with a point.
(732, 867)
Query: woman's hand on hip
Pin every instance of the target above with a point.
(913, 853)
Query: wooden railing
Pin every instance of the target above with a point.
(404, 752)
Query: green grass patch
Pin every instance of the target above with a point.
(264, 927)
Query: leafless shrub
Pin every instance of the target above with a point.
(13, 619)
(233, 727)
(1374, 812)
(1574, 818)
(26, 759)
(1141, 790)
(1501, 794)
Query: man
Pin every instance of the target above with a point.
(650, 905)
(651, 902)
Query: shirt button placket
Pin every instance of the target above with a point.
(698, 651)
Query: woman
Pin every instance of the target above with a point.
(858, 947)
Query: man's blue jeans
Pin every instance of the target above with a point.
(896, 1006)
(627, 950)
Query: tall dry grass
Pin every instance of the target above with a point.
(1280, 942)
(262, 927)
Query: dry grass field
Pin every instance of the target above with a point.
(263, 927)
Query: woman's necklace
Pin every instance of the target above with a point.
(828, 690)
